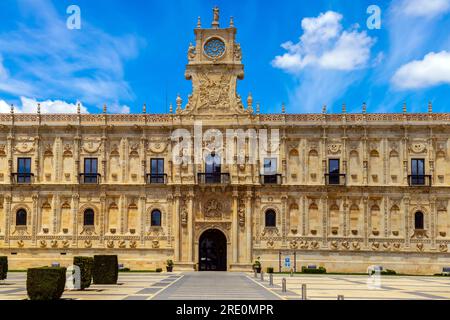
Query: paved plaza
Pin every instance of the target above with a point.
(244, 286)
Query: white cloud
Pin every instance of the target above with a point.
(433, 70)
(325, 45)
(424, 8)
(45, 59)
(29, 105)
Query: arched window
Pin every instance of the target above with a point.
(156, 218)
(88, 217)
(418, 221)
(271, 218)
(21, 218)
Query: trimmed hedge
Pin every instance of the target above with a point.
(388, 272)
(85, 264)
(269, 270)
(3, 268)
(46, 283)
(318, 270)
(106, 269)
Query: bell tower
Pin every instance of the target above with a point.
(214, 66)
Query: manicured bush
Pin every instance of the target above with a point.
(46, 283)
(86, 265)
(315, 270)
(158, 270)
(269, 270)
(388, 272)
(106, 269)
(3, 267)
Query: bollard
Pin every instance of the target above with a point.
(340, 297)
(262, 275)
(292, 273)
(256, 274)
(304, 292)
(271, 279)
(283, 285)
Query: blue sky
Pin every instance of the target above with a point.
(302, 52)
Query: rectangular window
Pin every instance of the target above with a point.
(417, 171)
(213, 169)
(157, 171)
(24, 170)
(270, 170)
(333, 171)
(90, 170)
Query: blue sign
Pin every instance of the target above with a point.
(287, 262)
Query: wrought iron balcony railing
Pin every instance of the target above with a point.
(22, 178)
(89, 178)
(152, 178)
(419, 180)
(335, 179)
(213, 178)
(270, 178)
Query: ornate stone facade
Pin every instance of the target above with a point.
(370, 217)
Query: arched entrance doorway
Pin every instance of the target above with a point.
(212, 251)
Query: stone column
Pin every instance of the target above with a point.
(235, 226)
(102, 217)
(142, 203)
(325, 219)
(34, 218)
(406, 201)
(248, 225)
(433, 221)
(190, 226)
(176, 225)
(75, 208)
(366, 220)
(284, 200)
(8, 220)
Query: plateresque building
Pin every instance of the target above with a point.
(344, 191)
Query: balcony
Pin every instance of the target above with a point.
(156, 178)
(335, 179)
(22, 178)
(270, 179)
(213, 178)
(419, 180)
(89, 178)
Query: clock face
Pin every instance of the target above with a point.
(214, 48)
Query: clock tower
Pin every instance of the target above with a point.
(214, 66)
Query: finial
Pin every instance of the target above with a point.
(104, 108)
(179, 101)
(171, 108)
(78, 108)
(404, 107)
(231, 22)
(199, 23)
(39, 108)
(283, 108)
(430, 107)
(144, 108)
(257, 108)
(249, 100)
(324, 109)
(12, 109)
(215, 23)
(344, 108)
(364, 108)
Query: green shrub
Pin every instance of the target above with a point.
(125, 270)
(3, 267)
(388, 272)
(316, 270)
(85, 264)
(46, 283)
(106, 269)
(269, 270)
(158, 269)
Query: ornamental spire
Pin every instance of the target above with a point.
(216, 13)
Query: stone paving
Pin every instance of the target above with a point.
(359, 287)
(243, 286)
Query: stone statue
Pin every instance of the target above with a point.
(191, 52)
(237, 52)
(216, 17)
